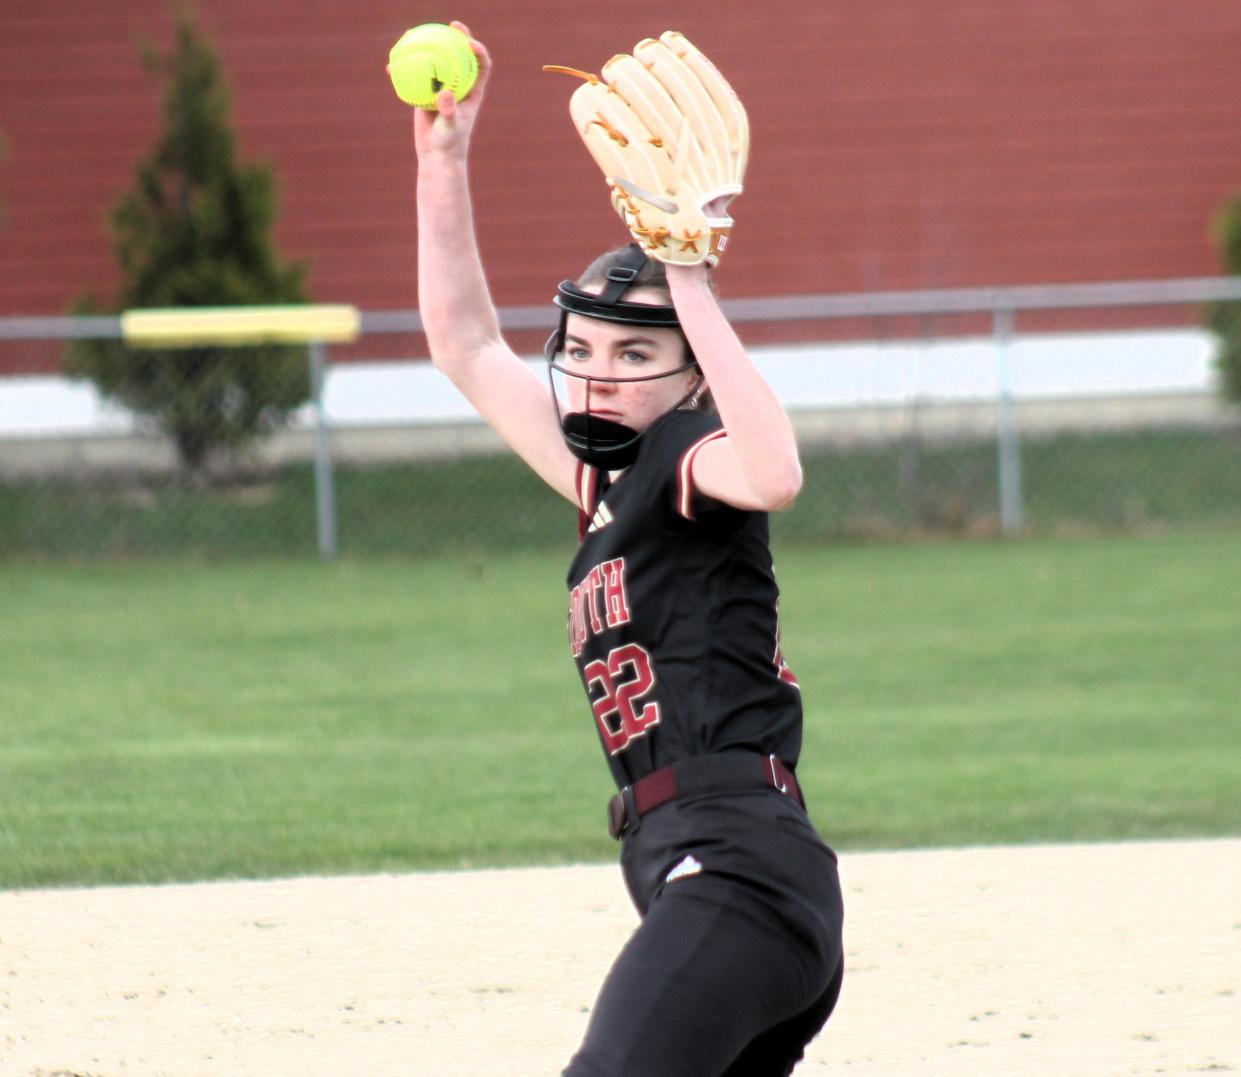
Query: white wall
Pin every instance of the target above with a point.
(805, 376)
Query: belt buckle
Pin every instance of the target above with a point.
(616, 816)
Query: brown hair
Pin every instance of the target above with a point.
(652, 275)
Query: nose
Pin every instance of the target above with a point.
(599, 390)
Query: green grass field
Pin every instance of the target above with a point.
(166, 721)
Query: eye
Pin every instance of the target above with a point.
(634, 357)
(577, 353)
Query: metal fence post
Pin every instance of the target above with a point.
(1008, 437)
(325, 492)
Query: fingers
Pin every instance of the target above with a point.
(446, 127)
(484, 57)
(439, 129)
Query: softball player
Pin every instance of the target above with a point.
(673, 449)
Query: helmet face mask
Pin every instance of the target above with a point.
(602, 442)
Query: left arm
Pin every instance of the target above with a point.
(756, 466)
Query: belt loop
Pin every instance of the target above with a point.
(777, 775)
(784, 780)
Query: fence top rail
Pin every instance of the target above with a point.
(770, 308)
(988, 300)
(94, 327)
(926, 302)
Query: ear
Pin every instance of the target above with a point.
(699, 386)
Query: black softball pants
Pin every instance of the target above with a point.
(734, 967)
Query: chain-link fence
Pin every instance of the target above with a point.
(1024, 410)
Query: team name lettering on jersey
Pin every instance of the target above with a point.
(598, 602)
(617, 684)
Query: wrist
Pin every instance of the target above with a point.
(691, 285)
(439, 166)
(691, 282)
(688, 275)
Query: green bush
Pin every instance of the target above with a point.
(1225, 318)
(194, 232)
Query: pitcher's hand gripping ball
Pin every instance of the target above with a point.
(672, 139)
(430, 58)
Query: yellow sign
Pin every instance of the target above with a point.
(191, 326)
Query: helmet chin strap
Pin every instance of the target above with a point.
(607, 445)
(599, 442)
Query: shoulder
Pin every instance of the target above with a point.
(675, 442)
(678, 432)
(664, 466)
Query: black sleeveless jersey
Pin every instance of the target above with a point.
(672, 613)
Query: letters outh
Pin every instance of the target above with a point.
(598, 603)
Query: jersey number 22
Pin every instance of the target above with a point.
(624, 679)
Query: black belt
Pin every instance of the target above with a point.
(725, 772)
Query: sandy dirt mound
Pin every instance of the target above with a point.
(1091, 960)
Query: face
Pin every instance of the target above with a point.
(614, 350)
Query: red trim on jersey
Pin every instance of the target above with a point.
(587, 483)
(782, 667)
(685, 473)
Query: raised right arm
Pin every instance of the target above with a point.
(458, 315)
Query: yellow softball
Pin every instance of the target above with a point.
(430, 58)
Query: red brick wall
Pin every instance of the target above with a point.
(896, 143)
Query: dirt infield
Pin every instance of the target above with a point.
(1073, 961)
